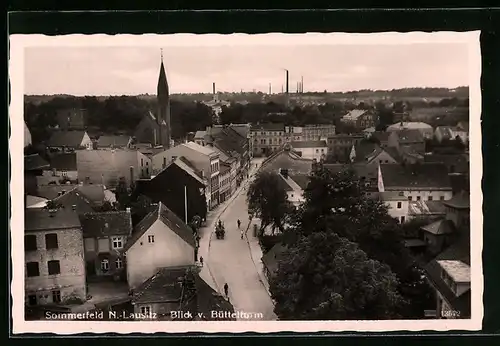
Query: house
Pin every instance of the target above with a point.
(94, 195)
(448, 133)
(271, 260)
(267, 138)
(106, 167)
(62, 169)
(425, 129)
(225, 182)
(180, 294)
(360, 118)
(105, 235)
(204, 159)
(427, 181)
(178, 180)
(294, 133)
(69, 141)
(34, 165)
(381, 137)
(289, 160)
(75, 200)
(310, 149)
(316, 132)
(370, 153)
(71, 119)
(340, 146)
(397, 204)
(295, 193)
(407, 139)
(54, 258)
(113, 142)
(160, 240)
(27, 135)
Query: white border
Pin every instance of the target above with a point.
(16, 73)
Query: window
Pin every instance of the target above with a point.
(164, 162)
(30, 243)
(430, 198)
(151, 238)
(441, 198)
(117, 242)
(104, 265)
(146, 310)
(119, 263)
(142, 162)
(418, 198)
(54, 267)
(51, 241)
(89, 244)
(399, 205)
(317, 151)
(32, 300)
(56, 296)
(32, 269)
(410, 198)
(402, 219)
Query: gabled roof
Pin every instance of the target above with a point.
(440, 227)
(459, 162)
(426, 208)
(268, 127)
(164, 286)
(419, 176)
(63, 161)
(169, 219)
(366, 151)
(283, 184)
(200, 134)
(308, 144)
(199, 148)
(186, 166)
(459, 201)
(35, 202)
(43, 220)
(459, 251)
(392, 196)
(76, 198)
(34, 162)
(106, 141)
(300, 179)
(71, 139)
(106, 224)
(209, 300)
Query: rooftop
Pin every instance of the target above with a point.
(418, 176)
(409, 125)
(354, 114)
(72, 139)
(426, 208)
(268, 127)
(43, 219)
(301, 180)
(199, 148)
(113, 141)
(34, 162)
(440, 227)
(63, 161)
(459, 201)
(409, 136)
(458, 270)
(108, 223)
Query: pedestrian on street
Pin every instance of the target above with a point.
(226, 290)
(241, 234)
(239, 223)
(201, 260)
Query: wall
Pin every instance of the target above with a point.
(86, 141)
(313, 153)
(71, 280)
(396, 212)
(93, 247)
(168, 250)
(162, 310)
(424, 194)
(296, 197)
(49, 176)
(267, 141)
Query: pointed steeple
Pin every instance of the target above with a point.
(162, 90)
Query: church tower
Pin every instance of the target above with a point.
(163, 114)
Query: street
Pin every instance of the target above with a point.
(229, 260)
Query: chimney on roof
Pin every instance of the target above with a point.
(73, 207)
(52, 212)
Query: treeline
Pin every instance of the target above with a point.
(119, 114)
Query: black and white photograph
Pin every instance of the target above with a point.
(268, 183)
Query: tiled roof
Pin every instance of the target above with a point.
(271, 258)
(459, 162)
(459, 251)
(72, 139)
(268, 127)
(300, 179)
(392, 196)
(42, 219)
(106, 224)
(282, 183)
(459, 201)
(412, 125)
(63, 161)
(199, 148)
(169, 219)
(440, 227)
(458, 270)
(354, 114)
(381, 136)
(76, 198)
(423, 208)
(366, 151)
(308, 144)
(419, 176)
(186, 166)
(209, 300)
(164, 286)
(34, 162)
(409, 136)
(113, 141)
(200, 134)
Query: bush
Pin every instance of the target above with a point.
(266, 241)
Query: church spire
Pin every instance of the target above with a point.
(162, 90)
(163, 115)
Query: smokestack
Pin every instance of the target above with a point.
(213, 88)
(301, 84)
(269, 88)
(287, 81)
(298, 87)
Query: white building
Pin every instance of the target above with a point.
(425, 129)
(311, 149)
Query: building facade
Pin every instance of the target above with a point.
(311, 149)
(267, 138)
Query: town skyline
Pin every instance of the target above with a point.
(115, 71)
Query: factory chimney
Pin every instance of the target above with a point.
(213, 89)
(269, 88)
(302, 85)
(287, 82)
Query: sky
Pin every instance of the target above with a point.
(192, 69)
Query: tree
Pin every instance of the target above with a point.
(326, 277)
(336, 201)
(267, 200)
